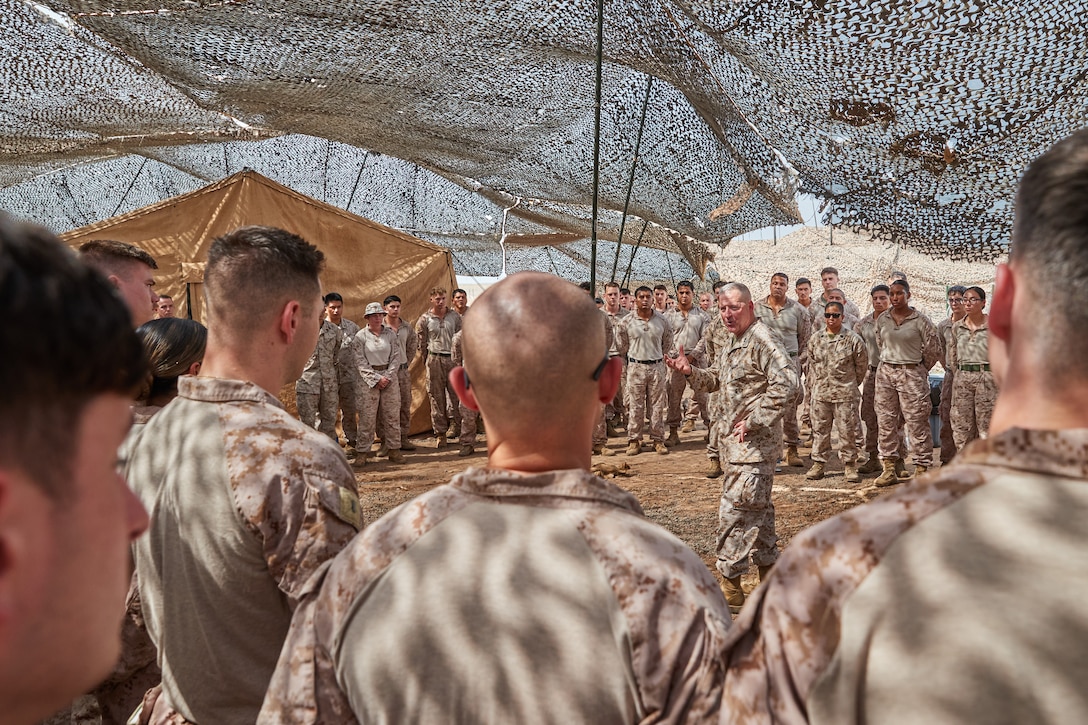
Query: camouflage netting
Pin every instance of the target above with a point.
(468, 124)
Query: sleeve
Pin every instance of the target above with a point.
(953, 354)
(369, 375)
(804, 332)
(703, 380)
(931, 344)
(411, 346)
(456, 353)
(667, 346)
(622, 342)
(781, 387)
(421, 334)
(861, 360)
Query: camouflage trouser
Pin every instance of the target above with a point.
(948, 440)
(973, 396)
(317, 411)
(348, 402)
(806, 400)
(379, 410)
(868, 412)
(404, 382)
(791, 432)
(715, 425)
(845, 417)
(646, 381)
(698, 407)
(441, 395)
(617, 408)
(746, 518)
(675, 384)
(904, 392)
(468, 424)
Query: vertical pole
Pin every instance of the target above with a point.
(596, 148)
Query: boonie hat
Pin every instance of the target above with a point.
(373, 308)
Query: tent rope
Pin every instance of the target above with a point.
(631, 261)
(631, 176)
(130, 185)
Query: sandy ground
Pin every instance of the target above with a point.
(673, 489)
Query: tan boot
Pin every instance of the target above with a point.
(920, 470)
(454, 430)
(466, 450)
(441, 443)
(688, 426)
(606, 451)
(633, 448)
(816, 472)
(661, 449)
(901, 468)
(674, 437)
(715, 469)
(850, 472)
(610, 427)
(792, 459)
(598, 449)
(888, 477)
(870, 466)
(383, 451)
(407, 445)
(734, 595)
(395, 456)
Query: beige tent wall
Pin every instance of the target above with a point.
(365, 261)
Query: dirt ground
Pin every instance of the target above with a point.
(673, 490)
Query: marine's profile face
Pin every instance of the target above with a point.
(335, 311)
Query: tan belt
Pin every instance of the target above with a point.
(901, 366)
(985, 367)
(380, 367)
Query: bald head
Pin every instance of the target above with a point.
(550, 352)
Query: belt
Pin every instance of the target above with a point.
(902, 366)
(403, 366)
(645, 362)
(439, 354)
(975, 368)
(793, 354)
(380, 367)
(612, 356)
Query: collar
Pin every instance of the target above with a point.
(1048, 452)
(574, 484)
(217, 390)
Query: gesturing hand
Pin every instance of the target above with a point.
(680, 363)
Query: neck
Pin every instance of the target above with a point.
(375, 329)
(563, 447)
(436, 313)
(1037, 402)
(393, 322)
(684, 308)
(612, 310)
(645, 314)
(258, 362)
(977, 318)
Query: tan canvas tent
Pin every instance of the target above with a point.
(365, 261)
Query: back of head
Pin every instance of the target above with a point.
(1050, 246)
(172, 345)
(110, 257)
(252, 272)
(545, 366)
(67, 338)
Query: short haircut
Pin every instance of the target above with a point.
(783, 275)
(461, 291)
(880, 288)
(718, 285)
(643, 288)
(956, 289)
(332, 297)
(685, 283)
(829, 270)
(836, 289)
(978, 291)
(745, 293)
(802, 280)
(107, 256)
(66, 339)
(612, 285)
(896, 274)
(625, 291)
(166, 297)
(902, 283)
(390, 298)
(171, 345)
(437, 291)
(1050, 246)
(265, 266)
(584, 286)
(836, 305)
(661, 287)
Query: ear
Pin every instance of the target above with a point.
(609, 382)
(114, 280)
(194, 368)
(290, 320)
(460, 383)
(1001, 303)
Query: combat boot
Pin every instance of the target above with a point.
(407, 445)
(466, 450)
(611, 427)
(606, 451)
(764, 572)
(734, 595)
(715, 468)
(850, 472)
(901, 468)
(688, 426)
(633, 448)
(919, 470)
(816, 472)
(792, 459)
(440, 443)
(395, 456)
(454, 431)
(674, 437)
(888, 477)
(661, 448)
(383, 451)
(872, 465)
(598, 449)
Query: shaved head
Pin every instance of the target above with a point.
(546, 365)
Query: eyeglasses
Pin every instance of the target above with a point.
(955, 300)
(971, 300)
(831, 315)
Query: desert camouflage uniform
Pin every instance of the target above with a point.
(317, 389)
(349, 382)
(648, 340)
(948, 441)
(687, 330)
(755, 379)
(715, 339)
(838, 364)
(974, 391)
(376, 357)
(794, 325)
(409, 343)
(600, 429)
(502, 597)
(910, 608)
(468, 415)
(435, 339)
(617, 408)
(245, 504)
(851, 315)
(907, 352)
